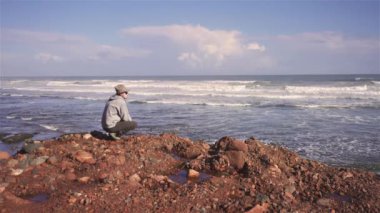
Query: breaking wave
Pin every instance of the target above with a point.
(191, 103)
(49, 127)
(324, 90)
(338, 94)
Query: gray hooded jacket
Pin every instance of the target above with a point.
(115, 110)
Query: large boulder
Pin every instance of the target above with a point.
(219, 163)
(236, 158)
(231, 144)
(191, 151)
(30, 147)
(17, 138)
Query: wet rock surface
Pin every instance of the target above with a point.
(167, 173)
(6, 138)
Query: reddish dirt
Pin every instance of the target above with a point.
(146, 173)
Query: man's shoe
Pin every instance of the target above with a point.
(114, 136)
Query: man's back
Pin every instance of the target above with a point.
(115, 111)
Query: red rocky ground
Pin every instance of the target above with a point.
(147, 173)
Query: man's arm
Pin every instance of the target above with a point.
(124, 113)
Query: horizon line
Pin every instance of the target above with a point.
(221, 75)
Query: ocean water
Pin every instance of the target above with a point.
(331, 118)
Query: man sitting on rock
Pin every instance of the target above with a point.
(116, 119)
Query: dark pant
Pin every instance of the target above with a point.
(122, 127)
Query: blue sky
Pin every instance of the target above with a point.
(189, 37)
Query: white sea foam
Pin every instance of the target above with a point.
(206, 92)
(49, 127)
(243, 88)
(279, 96)
(322, 106)
(362, 79)
(59, 83)
(66, 89)
(267, 94)
(183, 85)
(16, 95)
(88, 98)
(17, 81)
(229, 104)
(26, 118)
(197, 103)
(324, 90)
(10, 117)
(263, 104)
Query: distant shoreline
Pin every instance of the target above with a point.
(191, 76)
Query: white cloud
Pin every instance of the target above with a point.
(256, 46)
(203, 50)
(68, 47)
(190, 58)
(199, 44)
(193, 45)
(47, 57)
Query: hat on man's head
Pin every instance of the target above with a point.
(121, 89)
